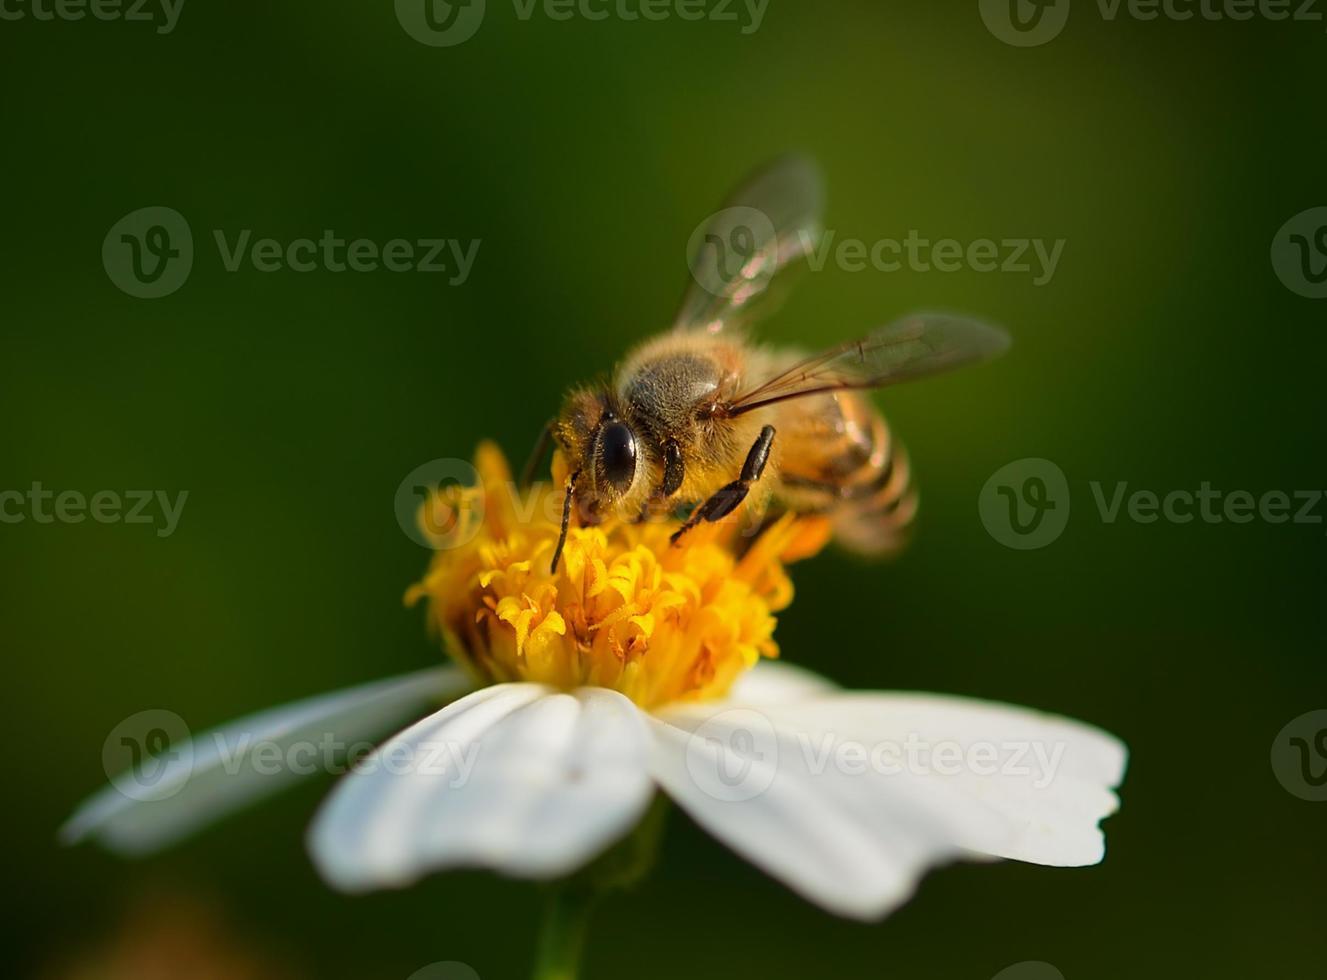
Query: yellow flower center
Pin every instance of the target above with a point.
(625, 610)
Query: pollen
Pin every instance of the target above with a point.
(626, 609)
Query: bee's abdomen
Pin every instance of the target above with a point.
(841, 459)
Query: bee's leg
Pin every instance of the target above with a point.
(537, 454)
(566, 521)
(673, 474)
(674, 469)
(727, 497)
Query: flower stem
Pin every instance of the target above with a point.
(562, 933)
(567, 917)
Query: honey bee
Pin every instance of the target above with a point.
(702, 418)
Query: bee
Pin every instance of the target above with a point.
(699, 419)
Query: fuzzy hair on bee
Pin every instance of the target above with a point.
(699, 420)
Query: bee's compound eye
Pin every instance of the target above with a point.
(617, 456)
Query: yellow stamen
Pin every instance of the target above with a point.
(625, 609)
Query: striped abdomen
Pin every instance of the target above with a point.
(840, 458)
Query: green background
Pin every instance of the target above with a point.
(1164, 352)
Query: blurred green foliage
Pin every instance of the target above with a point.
(1164, 352)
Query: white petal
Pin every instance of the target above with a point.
(1048, 779)
(516, 777)
(217, 772)
(854, 846)
(772, 682)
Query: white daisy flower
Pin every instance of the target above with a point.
(633, 669)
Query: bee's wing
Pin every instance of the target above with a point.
(770, 221)
(916, 346)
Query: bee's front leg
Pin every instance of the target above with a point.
(722, 502)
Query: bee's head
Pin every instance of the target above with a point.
(615, 457)
(604, 454)
(603, 449)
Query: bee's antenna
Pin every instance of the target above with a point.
(566, 520)
(537, 454)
